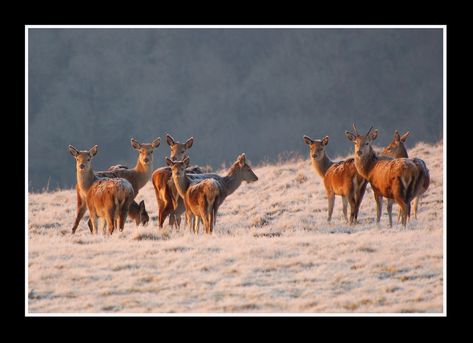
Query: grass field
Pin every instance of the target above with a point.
(272, 251)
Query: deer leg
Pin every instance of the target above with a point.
(331, 202)
(160, 217)
(389, 206)
(416, 203)
(122, 219)
(359, 198)
(80, 213)
(345, 205)
(379, 205)
(195, 220)
(404, 205)
(352, 202)
(94, 224)
(205, 220)
(399, 215)
(91, 228)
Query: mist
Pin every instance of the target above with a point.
(256, 91)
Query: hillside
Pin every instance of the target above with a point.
(272, 251)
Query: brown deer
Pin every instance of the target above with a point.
(137, 176)
(167, 196)
(239, 171)
(105, 198)
(340, 178)
(397, 149)
(396, 179)
(199, 198)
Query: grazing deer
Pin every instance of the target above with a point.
(397, 149)
(105, 198)
(239, 171)
(137, 176)
(199, 198)
(340, 178)
(167, 196)
(396, 179)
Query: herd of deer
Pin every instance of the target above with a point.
(180, 188)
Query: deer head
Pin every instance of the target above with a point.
(179, 151)
(145, 150)
(245, 170)
(178, 168)
(83, 158)
(316, 147)
(396, 148)
(362, 143)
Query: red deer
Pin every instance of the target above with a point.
(340, 178)
(239, 171)
(105, 198)
(137, 176)
(397, 149)
(167, 196)
(199, 198)
(396, 179)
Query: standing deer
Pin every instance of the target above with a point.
(167, 196)
(397, 149)
(396, 179)
(137, 176)
(340, 178)
(105, 198)
(199, 198)
(239, 171)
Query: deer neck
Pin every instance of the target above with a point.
(321, 166)
(232, 181)
(85, 179)
(182, 184)
(142, 172)
(364, 165)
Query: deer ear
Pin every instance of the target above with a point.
(142, 205)
(135, 145)
(325, 140)
(74, 152)
(242, 159)
(186, 161)
(156, 142)
(350, 136)
(307, 140)
(189, 142)
(93, 151)
(404, 136)
(397, 137)
(169, 139)
(374, 134)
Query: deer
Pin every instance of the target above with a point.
(340, 178)
(167, 196)
(396, 179)
(397, 149)
(199, 197)
(105, 198)
(137, 176)
(238, 172)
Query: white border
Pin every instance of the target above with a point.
(237, 314)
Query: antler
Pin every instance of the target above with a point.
(354, 128)
(369, 130)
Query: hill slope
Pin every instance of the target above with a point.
(272, 251)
